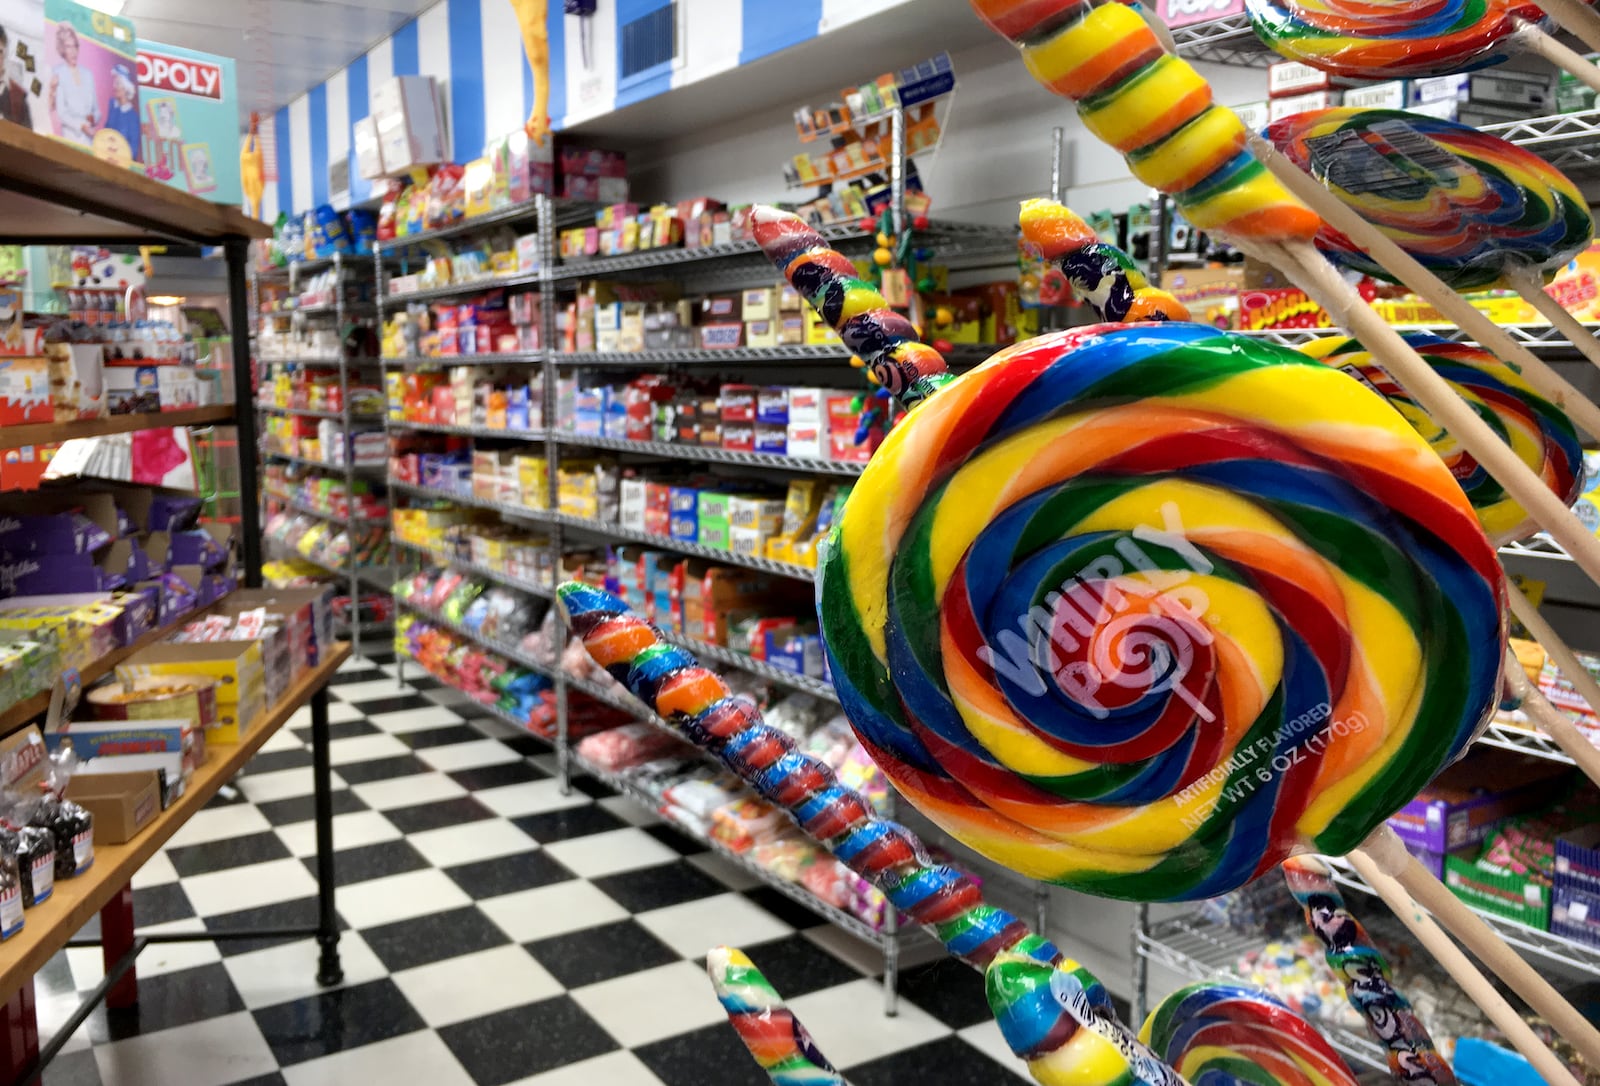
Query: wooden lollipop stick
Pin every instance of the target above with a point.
(1464, 973)
(1322, 283)
(1536, 41)
(1490, 336)
(1556, 724)
(1579, 18)
(1386, 851)
(1529, 286)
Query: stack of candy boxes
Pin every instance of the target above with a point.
(455, 534)
(493, 323)
(507, 397)
(768, 617)
(329, 495)
(327, 440)
(320, 390)
(626, 228)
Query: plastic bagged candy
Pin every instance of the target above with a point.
(10, 892)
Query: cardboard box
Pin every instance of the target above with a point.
(1287, 77)
(410, 124)
(1464, 804)
(236, 665)
(1390, 95)
(368, 150)
(1279, 108)
(759, 304)
(122, 803)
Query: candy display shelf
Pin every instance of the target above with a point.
(42, 433)
(1511, 737)
(376, 577)
(319, 360)
(456, 290)
(323, 514)
(1201, 949)
(323, 465)
(1228, 40)
(1567, 140)
(665, 542)
(713, 454)
(509, 651)
(488, 573)
(506, 509)
(468, 431)
(416, 361)
(819, 688)
(794, 356)
(1540, 338)
(564, 212)
(312, 413)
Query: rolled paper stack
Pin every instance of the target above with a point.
(1539, 432)
(775, 1037)
(1103, 277)
(1364, 972)
(1214, 1033)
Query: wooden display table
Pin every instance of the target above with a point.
(106, 889)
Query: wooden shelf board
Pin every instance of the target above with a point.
(41, 433)
(48, 927)
(58, 192)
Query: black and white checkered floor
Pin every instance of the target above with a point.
(496, 932)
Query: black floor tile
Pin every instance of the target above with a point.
(349, 729)
(161, 904)
(949, 1061)
(572, 822)
(527, 745)
(167, 1001)
(406, 944)
(948, 990)
(353, 865)
(273, 761)
(434, 816)
(393, 703)
(273, 1079)
(676, 840)
(591, 787)
(657, 887)
(785, 908)
(74, 1069)
(381, 769)
(796, 966)
(596, 954)
(286, 812)
(513, 1044)
(508, 874)
(440, 737)
(336, 1020)
(358, 675)
(284, 914)
(421, 680)
(498, 776)
(252, 848)
(713, 1054)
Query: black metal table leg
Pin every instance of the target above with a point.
(329, 971)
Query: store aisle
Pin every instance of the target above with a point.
(497, 932)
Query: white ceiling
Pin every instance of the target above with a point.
(282, 46)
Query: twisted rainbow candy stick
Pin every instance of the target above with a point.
(1216, 1033)
(888, 342)
(1365, 976)
(775, 1037)
(1071, 1038)
(1102, 276)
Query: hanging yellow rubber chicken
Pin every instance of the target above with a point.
(252, 173)
(532, 16)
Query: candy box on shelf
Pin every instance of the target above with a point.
(122, 803)
(114, 739)
(1281, 308)
(1575, 914)
(1510, 894)
(24, 391)
(1465, 802)
(1578, 861)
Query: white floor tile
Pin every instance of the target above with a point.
(289, 971)
(340, 713)
(220, 824)
(547, 762)
(529, 797)
(474, 985)
(369, 691)
(283, 784)
(364, 748)
(399, 897)
(159, 958)
(349, 831)
(849, 1024)
(208, 1053)
(601, 854)
(495, 728)
(415, 720)
(156, 871)
(285, 739)
(726, 920)
(616, 1069)
(863, 957)
(420, 1057)
(471, 755)
(630, 811)
(51, 1013)
(986, 1038)
(249, 887)
(552, 910)
(408, 791)
(483, 840)
(642, 1007)
(725, 871)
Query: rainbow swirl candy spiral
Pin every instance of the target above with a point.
(1102, 276)
(1071, 1042)
(1539, 431)
(884, 339)
(1155, 109)
(775, 1037)
(1374, 39)
(1469, 206)
(1144, 610)
(1215, 1033)
(1365, 976)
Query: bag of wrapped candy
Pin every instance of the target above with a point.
(72, 825)
(10, 893)
(33, 846)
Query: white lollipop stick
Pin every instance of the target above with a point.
(1464, 973)
(1552, 721)
(1579, 18)
(1536, 41)
(1529, 286)
(1490, 336)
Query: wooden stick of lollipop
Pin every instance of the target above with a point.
(1407, 40)
(1552, 721)
(1463, 209)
